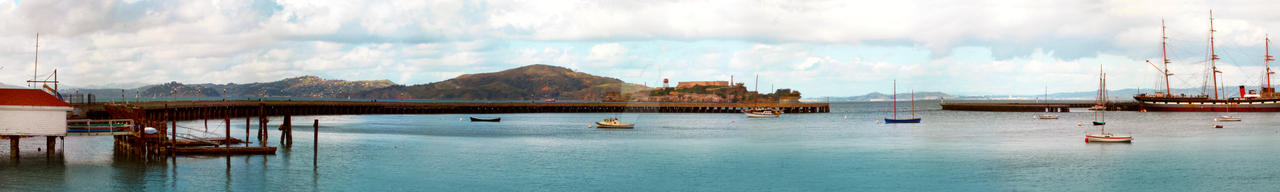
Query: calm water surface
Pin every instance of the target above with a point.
(846, 149)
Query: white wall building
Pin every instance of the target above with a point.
(32, 112)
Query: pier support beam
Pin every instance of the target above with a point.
(13, 146)
(286, 131)
(50, 143)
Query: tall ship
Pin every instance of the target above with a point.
(1264, 100)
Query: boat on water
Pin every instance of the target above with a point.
(1100, 116)
(1046, 116)
(549, 100)
(1264, 100)
(613, 123)
(762, 113)
(1046, 101)
(477, 119)
(1105, 137)
(1226, 118)
(895, 118)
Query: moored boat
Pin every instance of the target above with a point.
(762, 113)
(1263, 100)
(1226, 118)
(495, 119)
(613, 123)
(1044, 116)
(895, 118)
(1107, 138)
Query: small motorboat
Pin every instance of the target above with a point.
(1217, 126)
(1099, 123)
(907, 120)
(1226, 118)
(1107, 138)
(495, 119)
(1045, 116)
(613, 123)
(762, 113)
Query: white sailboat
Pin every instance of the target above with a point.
(1046, 101)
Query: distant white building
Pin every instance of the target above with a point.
(32, 112)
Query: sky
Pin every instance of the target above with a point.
(821, 48)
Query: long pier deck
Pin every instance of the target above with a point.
(193, 110)
(1034, 107)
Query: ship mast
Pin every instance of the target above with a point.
(1213, 56)
(1164, 54)
(1267, 61)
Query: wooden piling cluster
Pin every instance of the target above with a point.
(195, 110)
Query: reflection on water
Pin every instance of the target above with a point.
(843, 150)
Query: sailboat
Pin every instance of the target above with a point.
(1100, 116)
(1046, 100)
(895, 118)
(761, 112)
(1107, 137)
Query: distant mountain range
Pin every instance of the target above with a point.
(304, 86)
(529, 82)
(524, 83)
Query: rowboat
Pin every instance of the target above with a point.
(495, 119)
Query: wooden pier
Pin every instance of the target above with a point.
(195, 110)
(1034, 107)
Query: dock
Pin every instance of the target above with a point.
(196, 110)
(1034, 107)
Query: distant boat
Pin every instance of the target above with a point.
(1226, 118)
(613, 123)
(495, 119)
(1046, 101)
(549, 100)
(762, 113)
(1107, 138)
(895, 118)
(1100, 114)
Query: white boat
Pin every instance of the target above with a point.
(1046, 101)
(762, 113)
(1107, 138)
(613, 123)
(1226, 118)
(1046, 116)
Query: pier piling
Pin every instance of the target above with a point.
(13, 146)
(50, 142)
(315, 142)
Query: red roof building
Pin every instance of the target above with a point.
(32, 112)
(30, 97)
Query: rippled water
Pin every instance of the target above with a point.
(845, 150)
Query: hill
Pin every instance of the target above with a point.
(529, 82)
(304, 86)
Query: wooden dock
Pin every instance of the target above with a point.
(194, 110)
(1034, 107)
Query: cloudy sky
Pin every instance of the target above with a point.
(822, 48)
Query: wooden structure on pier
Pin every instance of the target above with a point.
(193, 110)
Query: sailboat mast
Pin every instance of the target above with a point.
(35, 67)
(913, 103)
(1104, 97)
(1164, 55)
(1267, 61)
(1213, 56)
(895, 98)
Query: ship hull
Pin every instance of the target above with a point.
(1208, 105)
